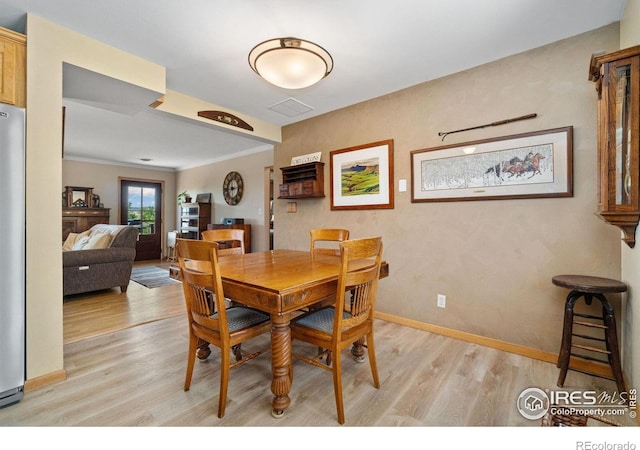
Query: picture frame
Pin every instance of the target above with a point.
(529, 165)
(361, 177)
(203, 198)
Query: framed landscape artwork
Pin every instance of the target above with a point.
(529, 165)
(362, 177)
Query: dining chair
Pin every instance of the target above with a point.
(335, 328)
(325, 241)
(231, 240)
(220, 326)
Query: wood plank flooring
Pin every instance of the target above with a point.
(95, 313)
(134, 376)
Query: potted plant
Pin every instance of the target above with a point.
(184, 197)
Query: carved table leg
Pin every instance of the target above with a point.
(203, 350)
(357, 350)
(280, 363)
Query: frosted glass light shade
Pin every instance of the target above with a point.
(290, 63)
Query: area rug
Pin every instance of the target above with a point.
(151, 276)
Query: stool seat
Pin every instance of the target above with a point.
(589, 288)
(584, 283)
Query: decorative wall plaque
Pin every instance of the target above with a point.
(226, 118)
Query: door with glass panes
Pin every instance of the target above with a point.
(141, 207)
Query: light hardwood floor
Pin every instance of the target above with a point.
(95, 313)
(134, 377)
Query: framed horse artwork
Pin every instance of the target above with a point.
(529, 165)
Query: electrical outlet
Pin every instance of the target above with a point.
(442, 301)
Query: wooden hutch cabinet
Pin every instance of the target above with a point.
(77, 220)
(81, 209)
(617, 78)
(13, 57)
(302, 181)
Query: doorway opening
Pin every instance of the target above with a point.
(141, 207)
(268, 205)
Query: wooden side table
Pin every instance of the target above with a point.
(589, 287)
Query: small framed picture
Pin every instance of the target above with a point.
(362, 177)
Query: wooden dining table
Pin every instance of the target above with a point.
(281, 282)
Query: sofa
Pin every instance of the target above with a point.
(99, 258)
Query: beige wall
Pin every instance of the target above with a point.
(251, 208)
(494, 260)
(49, 46)
(630, 36)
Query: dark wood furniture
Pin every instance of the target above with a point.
(585, 342)
(280, 282)
(302, 181)
(77, 220)
(194, 218)
(235, 226)
(617, 78)
(80, 197)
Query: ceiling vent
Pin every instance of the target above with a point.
(290, 107)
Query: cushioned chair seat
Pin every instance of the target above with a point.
(239, 317)
(321, 320)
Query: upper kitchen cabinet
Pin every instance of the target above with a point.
(13, 60)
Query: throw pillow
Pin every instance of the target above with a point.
(68, 243)
(80, 243)
(98, 240)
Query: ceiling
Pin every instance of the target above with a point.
(378, 47)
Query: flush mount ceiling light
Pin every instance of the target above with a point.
(290, 63)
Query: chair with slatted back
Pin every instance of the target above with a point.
(336, 328)
(325, 241)
(209, 319)
(231, 240)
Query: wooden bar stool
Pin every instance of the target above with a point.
(590, 288)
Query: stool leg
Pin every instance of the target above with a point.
(611, 339)
(567, 330)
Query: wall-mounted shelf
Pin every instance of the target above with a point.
(302, 181)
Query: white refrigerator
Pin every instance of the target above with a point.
(12, 254)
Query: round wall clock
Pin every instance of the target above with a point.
(232, 188)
